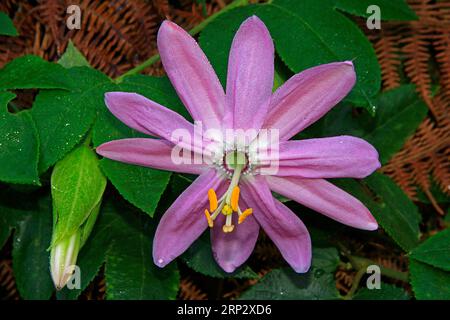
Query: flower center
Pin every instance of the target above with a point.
(229, 202)
(233, 160)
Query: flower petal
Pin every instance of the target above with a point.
(284, 227)
(232, 249)
(184, 221)
(335, 157)
(324, 197)
(192, 75)
(250, 75)
(151, 118)
(151, 153)
(307, 96)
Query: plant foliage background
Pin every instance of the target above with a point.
(52, 115)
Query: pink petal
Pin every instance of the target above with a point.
(307, 96)
(334, 157)
(250, 75)
(149, 117)
(185, 221)
(284, 227)
(232, 249)
(191, 74)
(151, 153)
(326, 198)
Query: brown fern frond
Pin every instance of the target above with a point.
(386, 48)
(7, 281)
(189, 291)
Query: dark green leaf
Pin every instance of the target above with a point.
(6, 25)
(435, 251)
(30, 255)
(429, 283)
(390, 9)
(285, 284)
(400, 112)
(389, 205)
(18, 145)
(77, 188)
(64, 117)
(73, 57)
(130, 271)
(30, 72)
(306, 33)
(387, 292)
(199, 258)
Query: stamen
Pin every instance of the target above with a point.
(208, 217)
(244, 215)
(212, 200)
(235, 198)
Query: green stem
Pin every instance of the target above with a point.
(359, 262)
(194, 31)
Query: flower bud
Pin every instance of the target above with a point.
(63, 258)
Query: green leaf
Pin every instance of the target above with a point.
(29, 72)
(64, 117)
(30, 255)
(429, 283)
(199, 257)
(130, 271)
(18, 145)
(389, 205)
(389, 9)
(400, 112)
(387, 292)
(435, 251)
(73, 57)
(131, 180)
(285, 284)
(306, 33)
(6, 26)
(77, 188)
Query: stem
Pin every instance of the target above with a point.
(194, 31)
(359, 263)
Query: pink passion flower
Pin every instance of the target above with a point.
(234, 198)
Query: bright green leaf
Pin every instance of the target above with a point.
(6, 25)
(386, 292)
(64, 117)
(130, 271)
(73, 57)
(389, 9)
(29, 72)
(30, 255)
(435, 251)
(77, 188)
(392, 209)
(18, 145)
(306, 33)
(429, 283)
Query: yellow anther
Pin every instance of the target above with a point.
(212, 200)
(235, 198)
(228, 229)
(208, 217)
(245, 214)
(227, 210)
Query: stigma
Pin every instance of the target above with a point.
(227, 205)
